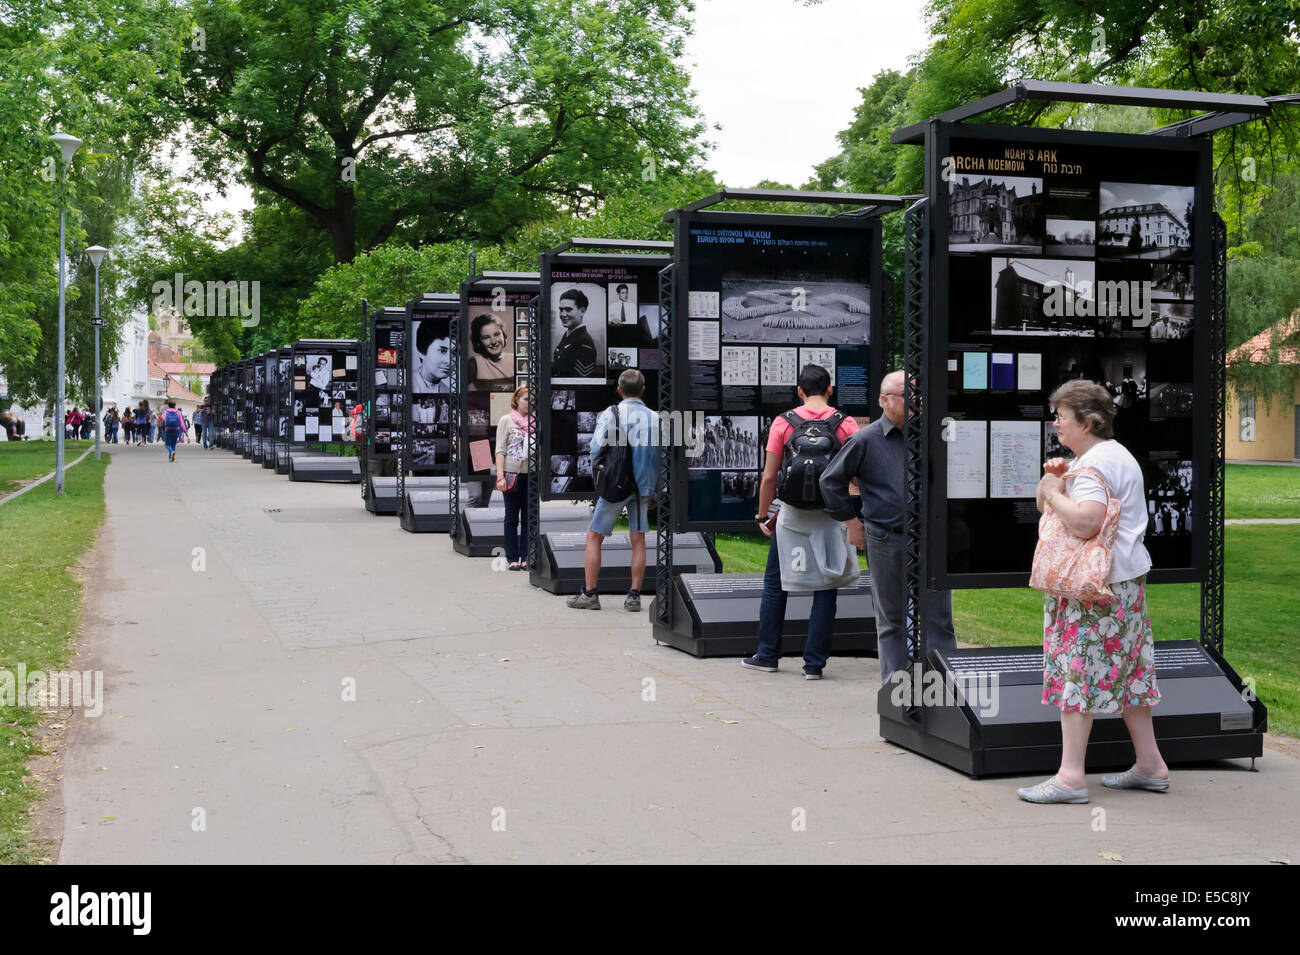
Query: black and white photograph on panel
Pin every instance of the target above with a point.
(769, 311)
(739, 485)
(1071, 237)
(587, 421)
(728, 442)
(578, 331)
(1043, 297)
(320, 371)
(283, 374)
(649, 323)
(622, 303)
(1172, 280)
(259, 378)
(1172, 478)
(621, 359)
(1171, 321)
(1052, 446)
(1145, 221)
(563, 464)
(563, 399)
(1124, 375)
(995, 214)
(491, 365)
(431, 357)
(560, 485)
(425, 452)
(1170, 400)
(1169, 518)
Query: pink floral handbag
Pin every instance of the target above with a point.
(1069, 566)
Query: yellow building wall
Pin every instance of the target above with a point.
(1274, 429)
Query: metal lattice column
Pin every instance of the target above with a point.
(916, 446)
(453, 446)
(668, 441)
(1212, 587)
(534, 514)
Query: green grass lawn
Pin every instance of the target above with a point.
(21, 461)
(1262, 490)
(42, 537)
(1261, 604)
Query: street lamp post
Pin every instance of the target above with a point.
(68, 145)
(96, 254)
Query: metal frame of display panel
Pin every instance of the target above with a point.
(365, 387)
(936, 399)
(540, 327)
(534, 503)
(689, 217)
(522, 283)
(372, 461)
(283, 403)
(338, 346)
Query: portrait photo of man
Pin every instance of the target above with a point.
(576, 353)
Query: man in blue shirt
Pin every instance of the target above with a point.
(639, 427)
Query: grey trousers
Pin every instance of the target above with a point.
(886, 560)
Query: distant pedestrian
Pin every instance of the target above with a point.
(173, 423)
(142, 423)
(128, 426)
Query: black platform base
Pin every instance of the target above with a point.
(268, 456)
(281, 460)
(258, 450)
(380, 493)
(426, 512)
(483, 534)
(716, 615)
(562, 557)
(1004, 728)
(325, 467)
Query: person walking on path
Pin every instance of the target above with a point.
(874, 458)
(173, 425)
(637, 427)
(514, 438)
(110, 426)
(793, 528)
(1098, 655)
(128, 426)
(142, 423)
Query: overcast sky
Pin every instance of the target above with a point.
(783, 78)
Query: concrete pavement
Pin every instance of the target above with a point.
(491, 724)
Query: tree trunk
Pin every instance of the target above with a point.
(343, 225)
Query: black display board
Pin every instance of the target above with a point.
(427, 391)
(246, 395)
(386, 385)
(492, 307)
(325, 378)
(263, 390)
(598, 315)
(757, 297)
(1060, 255)
(283, 394)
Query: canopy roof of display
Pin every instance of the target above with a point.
(511, 280)
(615, 245)
(1221, 109)
(870, 205)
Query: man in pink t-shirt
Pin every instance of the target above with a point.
(815, 391)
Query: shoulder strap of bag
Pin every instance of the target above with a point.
(1094, 473)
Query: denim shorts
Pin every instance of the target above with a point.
(638, 518)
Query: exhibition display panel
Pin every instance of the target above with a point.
(383, 384)
(561, 568)
(749, 299)
(427, 412)
(324, 377)
(484, 373)
(1039, 256)
(480, 531)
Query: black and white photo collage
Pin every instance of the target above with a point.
(428, 421)
(325, 391)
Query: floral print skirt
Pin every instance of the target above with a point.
(1099, 658)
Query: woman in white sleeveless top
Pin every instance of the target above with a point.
(1098, 658)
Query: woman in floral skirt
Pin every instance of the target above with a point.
(1098, 657)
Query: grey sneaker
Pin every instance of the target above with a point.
(632, 603)
(581, 601)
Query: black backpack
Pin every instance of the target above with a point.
(612, 471)
(807, 454)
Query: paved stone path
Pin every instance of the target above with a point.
(481, 699)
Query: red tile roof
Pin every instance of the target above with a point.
(187, 367)
(1257, 350)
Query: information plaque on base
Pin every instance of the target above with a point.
(562, 555)
(716, 615)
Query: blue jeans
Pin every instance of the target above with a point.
(516, 529)
(170, 437)
(771, 617)
(207, 435)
